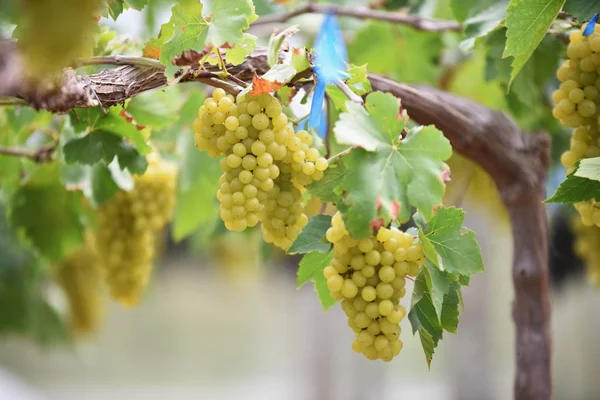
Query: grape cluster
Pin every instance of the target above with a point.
(265, 164)
(578, 106)
(368, 275)
(81, 280)
(586, 247)
(127, 228)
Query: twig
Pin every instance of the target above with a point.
(349, 93)
(121, 60)
(40, 156)
(340, 154)
(415, 21)
(11, 101)
(237, 80)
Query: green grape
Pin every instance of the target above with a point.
(368, 276)
(127, 228)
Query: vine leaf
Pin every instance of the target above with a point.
(47, 214)
(324, 189)
(193, 31)
(527, 22)
(423, 316)
(589, 168)
(311, 269)
(387, 174)
(238, 53)
(116, 122)
(456, 245)
(464, 9)
(312, 236)
(102, 145)
(136, 4)
(482, 23)
(576, 189)
(582, 9)
(102, 185)
(450, 311)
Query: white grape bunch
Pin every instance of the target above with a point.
(368, 275)
(265, 164)
(577, 105)
(127, 227)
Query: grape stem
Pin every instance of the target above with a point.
(340, 154)
(40, 156)
(349, 93)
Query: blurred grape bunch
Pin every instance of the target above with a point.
(236, 256)
(54, 33)
(81, 279)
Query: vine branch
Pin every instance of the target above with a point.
(415, 21)
(42, 155)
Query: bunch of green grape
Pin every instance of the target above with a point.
(127, 227)
(368, 275)
(578, 106)
(587, 248)
(54, 33)
(81, 280)
(265, 164)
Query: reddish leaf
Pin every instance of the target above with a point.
(263, 86)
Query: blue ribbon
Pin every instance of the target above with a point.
(591, 25)
(330, 66)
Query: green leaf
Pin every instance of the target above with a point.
(400, 174)
(276, 41)
(192, 31)
(324, 188)
(464, 9)
(459, 251)
(575, 189)
(300, 59)
(198, 182)
(157, 108)
(422, 314)
(311, 237)
(482, 23)
(238, 53)
(102, 145)
(356, 128)
(589, 168)
(103, 187)
(358, 81)
(450, 311)
(582, 9)
(137, 4)
(527, 22)
(47, 214)
(439, 287)
(115, 8)
(311, 268)
(90, 119)
(428, 344)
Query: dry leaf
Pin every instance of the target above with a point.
(263, 86)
